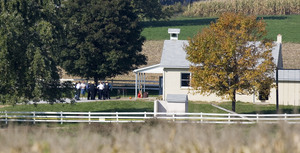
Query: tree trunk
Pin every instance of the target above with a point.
(96, 81)
(233, 100)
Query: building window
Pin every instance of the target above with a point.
(185, 79)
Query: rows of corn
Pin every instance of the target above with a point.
(211, 8)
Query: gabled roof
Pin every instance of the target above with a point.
(174, 55)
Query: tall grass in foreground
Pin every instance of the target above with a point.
(254, 7)
(152, 137)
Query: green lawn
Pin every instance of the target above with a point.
(204, 107)
(250, 108)
(287, 26)
(101, 106)
(142, 106)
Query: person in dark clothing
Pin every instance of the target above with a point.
(93, 91)
(88, 91)
(106, 91)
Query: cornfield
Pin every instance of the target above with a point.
(151, 138)
(212, 8)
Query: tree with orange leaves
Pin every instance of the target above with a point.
(231, 56)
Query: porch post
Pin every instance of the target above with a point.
(144, 82)
(136, 85)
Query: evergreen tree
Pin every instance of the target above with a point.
(103, 38)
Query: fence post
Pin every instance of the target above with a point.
(173, 117)
(61, 117)
(117, 116)
(256, 118)
(89, 117)
(145, 116)
(5, 117)
(33, 117)
(285, 117)
(201, 116)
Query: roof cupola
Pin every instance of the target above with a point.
(173, 33)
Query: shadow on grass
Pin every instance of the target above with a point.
(281, 111)
(272, 17)
(197, 21)
(186, 22)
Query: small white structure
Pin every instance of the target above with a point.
(175, 103)
(174, 33)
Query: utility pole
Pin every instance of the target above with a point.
(277, 96)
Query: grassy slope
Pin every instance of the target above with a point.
(288, 26)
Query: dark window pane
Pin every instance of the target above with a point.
(185, 79)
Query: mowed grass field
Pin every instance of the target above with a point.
(286, 25)
(147, 106)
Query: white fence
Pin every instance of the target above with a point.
(93, 117)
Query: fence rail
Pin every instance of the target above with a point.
(93, 117)
(125, 84)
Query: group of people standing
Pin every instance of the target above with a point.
(102, 90)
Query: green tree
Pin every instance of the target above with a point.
(30, 37)
(103, 38)
(231, 57)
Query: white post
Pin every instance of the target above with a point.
(89, 117)
(61, 117)
(136, 85)
(228, 117)
(5, 117)
(33, 117)
(155, 108)
(139, 82)
(201, 116)
(173, 117)
(145, 115)
(256, 118)
(285, 117)
(117, 116)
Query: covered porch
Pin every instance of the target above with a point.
(140, 77)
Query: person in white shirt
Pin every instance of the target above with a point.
(83, 88)
(100, 88)
(78, 87)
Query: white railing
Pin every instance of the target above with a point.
(92, 117)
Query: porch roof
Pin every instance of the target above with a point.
(150, 69)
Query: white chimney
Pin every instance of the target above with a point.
(173, 33)
(279, 38)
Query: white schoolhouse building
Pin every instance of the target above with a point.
(174, 68)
